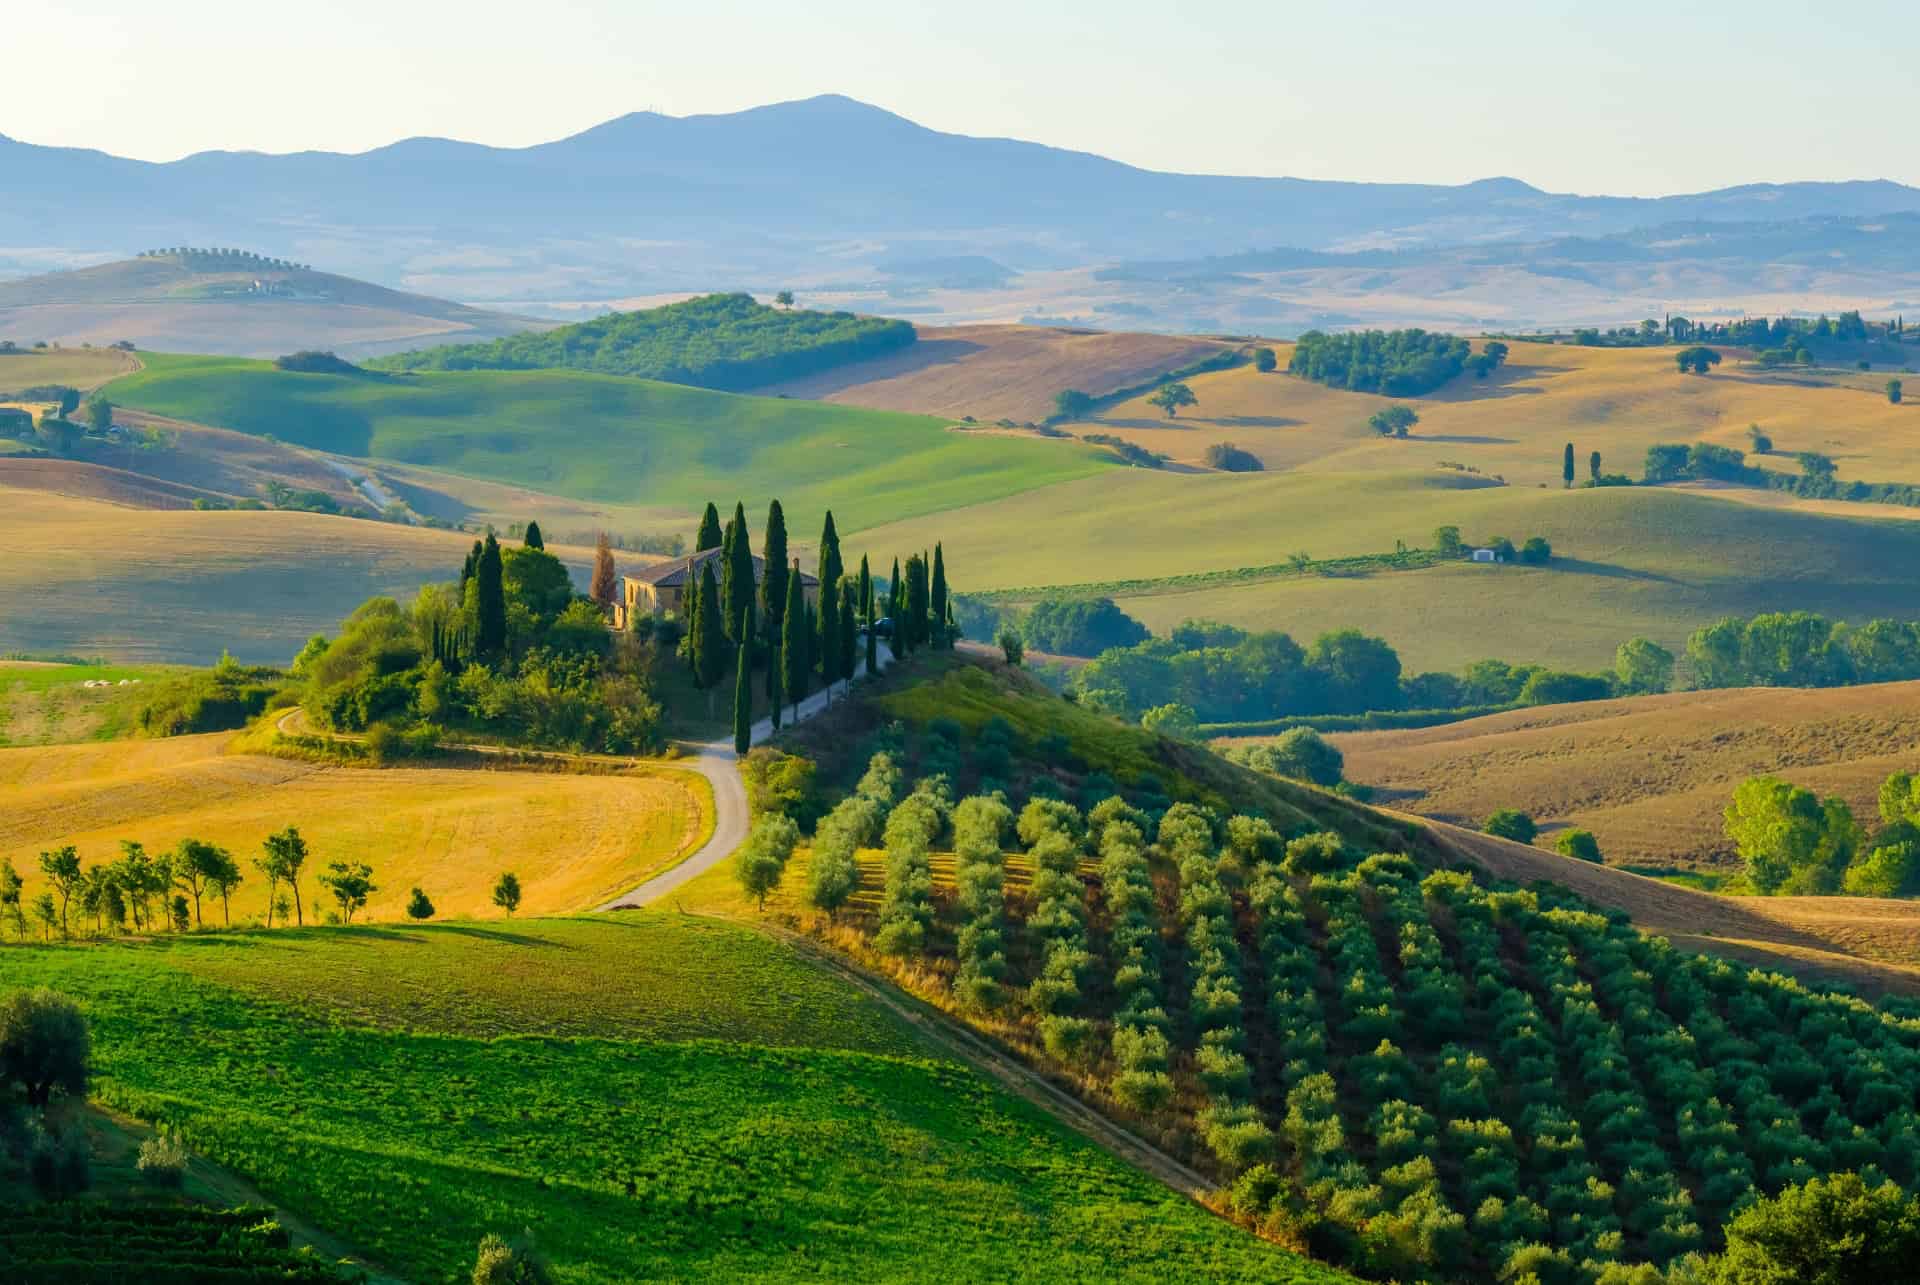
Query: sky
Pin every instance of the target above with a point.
(1625, 97)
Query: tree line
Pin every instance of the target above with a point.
(1397, 363)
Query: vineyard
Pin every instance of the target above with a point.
(89, 1243)
(1392, 1066)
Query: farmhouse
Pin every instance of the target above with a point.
(662, 588)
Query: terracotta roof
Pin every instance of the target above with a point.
(672, 574)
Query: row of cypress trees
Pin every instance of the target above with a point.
(729, 622)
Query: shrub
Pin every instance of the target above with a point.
(1511, 823)
(1229, 458)
(502, 1262)
(309, 362)
(163, 1159)
(1578, 844)
(59, 1164)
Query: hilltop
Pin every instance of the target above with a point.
(226, 301)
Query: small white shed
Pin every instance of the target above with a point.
(1485, 555)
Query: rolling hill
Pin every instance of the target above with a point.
(613, 439)
(1651, 775)
(229, 302)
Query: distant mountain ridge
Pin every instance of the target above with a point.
(647, 202)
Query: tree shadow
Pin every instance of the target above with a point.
(1608, 571)
(1462, 439)
(501, 935)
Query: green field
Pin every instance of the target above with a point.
(46, 704)
(1628, 561)
(411, 1090)
(614, 439)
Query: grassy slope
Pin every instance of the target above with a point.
(574, 841)
(1650, 776)
(1630, 561)
(90, 577)
(608, 438)
(494, 1089)
(81, 368)
(42, 704)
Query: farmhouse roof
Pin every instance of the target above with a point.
(673, 573)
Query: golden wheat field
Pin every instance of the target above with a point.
(574, 840)
(1516, 424)
(82, 368)
(1651, 775)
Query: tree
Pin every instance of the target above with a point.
(940, 607)
(709, 652)
(418, 906)
(829, 651)
(1171, 397)
(1578, 844)
(1762, 444)
(1696, 359)
(1305, 755)
(350, 882)
(10, 890)
(286, 856)
(762, 860)
(848, 640)
(100, 414)
(1071, 403)
(1357, 672)
(793, 642)
(1511, 823)
(1176, 722)
(1011, 647)
(1447, 542)
(784, 298)
(200, 866)
(490, 602)
(918, 627)
(506, 892)
(1835, 1230)
(773, 581)
(44, 1046)
(742, 701)
(709, 536)
(69, 401)
(1593, 467)
(603, 589)
(502, 1262)
(1536, 552)
(1791, 840)
(1894, 390)
(1080, 627)
(1264, 360)
(1566, 466)
(46, 914)
(62, 869)
(1394, 421)
(1643, 667)
(533, 539)
(829, 572)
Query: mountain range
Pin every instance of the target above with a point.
(809, 193)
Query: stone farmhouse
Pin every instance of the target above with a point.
(661, 589)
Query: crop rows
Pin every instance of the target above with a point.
(93, 1243)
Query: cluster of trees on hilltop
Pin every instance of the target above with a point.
(1816, 480)
(508, 650)
(723, 341)
(226, 258)
(1396, 363)
(1779, 333)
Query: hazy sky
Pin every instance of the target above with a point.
(1622, 96)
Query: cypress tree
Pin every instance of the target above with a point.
(830, 572)
(829, 653)
(1593, 465)
(604, 589)
(690, 606)
(739, 573)
(865, 601)
(776, 669)
(896, 598)
(742, 701)
(849, 633)
(793, 642)
(709, 537)
(773, 585)
(873, 649)
(1566, 466)
(490, 600)
(712, 656)
(916, 600)
(468, 567)
(942, 609)
(533, 538)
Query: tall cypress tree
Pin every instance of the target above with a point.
(793, 642)
(742, 701)
(896, 597)
(712, 655)
(916, 602)
(849, 633)
(533, 538)
(490, 602)
(830, 572)
(1566, 466)
(467, 568)
(829, 653)
(738, 595)
(941, 637)
(773, 584)
(865, 601)
(1593, 465)
(709, 537)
